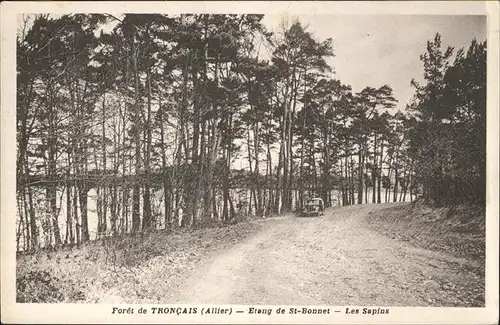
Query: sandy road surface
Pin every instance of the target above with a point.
(334, 259)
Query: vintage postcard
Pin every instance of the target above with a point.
(250, 162)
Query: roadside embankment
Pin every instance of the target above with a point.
(458, 230)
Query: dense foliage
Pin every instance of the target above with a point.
(448, 137)
(152, 112)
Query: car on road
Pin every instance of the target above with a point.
(313, 207)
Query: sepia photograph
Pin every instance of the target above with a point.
(219, 163)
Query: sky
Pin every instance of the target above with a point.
(378, 49)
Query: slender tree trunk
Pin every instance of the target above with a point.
(389, 175)
(374, 168)
(166, 191)
(250, 170)
(99, 209)
(20, 225)
(69, 219)
(212, 158)
(136, 219)
(214, 204)
(326, 172)
(82, 185)
(196, 163)
(403, 188)
(365, 175)
(21, 208)
(104, 162)
(301, 182)
(342, 189)
(30, 232)
(125, 187)
(147, 222)
(379, 178)
(75, 216)
(33, 226)
(278, 181)
(411, 182)
(360, 175)
(284, 150)
(52, 189)
(346, 180)
(352, 180)
(290, 154)
(257, 168)
(227, 165)
(396, 177)
(113, 188)
(315, 174)
(83, 192)
(269, 174)
(225, 187)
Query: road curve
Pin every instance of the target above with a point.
(334, 259)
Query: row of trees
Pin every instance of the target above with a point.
(448, 138)
(137, 105)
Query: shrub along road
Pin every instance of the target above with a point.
(335, 259)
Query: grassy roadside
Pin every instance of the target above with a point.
(458, 231)
(123, 269)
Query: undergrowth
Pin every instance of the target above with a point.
(123, 267)
(457, 230)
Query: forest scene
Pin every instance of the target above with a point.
(148, 136)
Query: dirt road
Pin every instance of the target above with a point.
(334, 259)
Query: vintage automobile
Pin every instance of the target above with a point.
(313, 207)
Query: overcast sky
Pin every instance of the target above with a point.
(376, 50)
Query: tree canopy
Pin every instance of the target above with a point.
(148, 119)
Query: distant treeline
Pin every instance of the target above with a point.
(122, 104)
